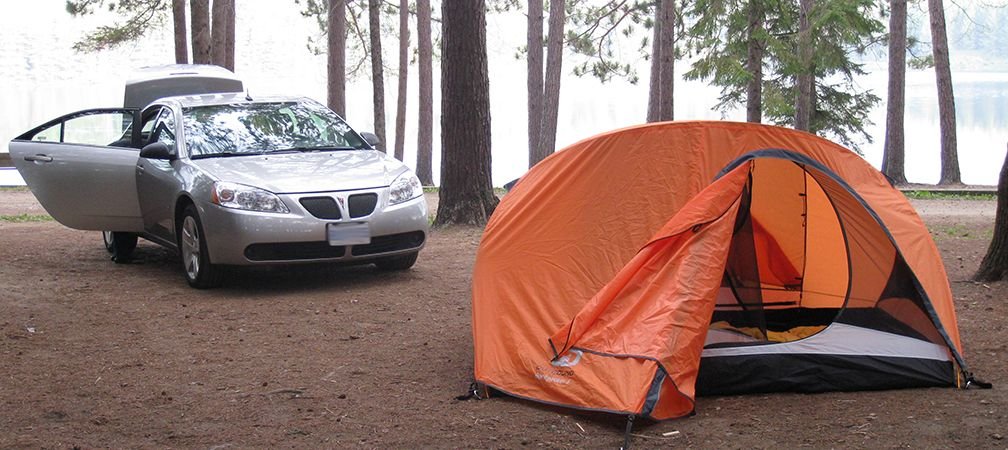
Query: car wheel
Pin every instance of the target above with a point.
(199, 271)
(120, 245)
(397, 262)
(107, 237)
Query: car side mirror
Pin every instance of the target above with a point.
(371, 139)
(158, 150)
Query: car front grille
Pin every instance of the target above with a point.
(361, 205)
(322, 207)
(295, 251)
(390, 243)
(292, 251)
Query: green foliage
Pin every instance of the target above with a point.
(596, 32)
(841, 29)
(357, 43)
(136, 18)
(358, 46)
(719, 37)
(23, 218)
(959, 195)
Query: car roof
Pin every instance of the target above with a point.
(151, 83)
(161, 72)
(187, 101)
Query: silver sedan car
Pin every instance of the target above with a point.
(227, 180)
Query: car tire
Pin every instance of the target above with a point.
(403, 262)
(107, 237)
(200, 273)
(120, 245)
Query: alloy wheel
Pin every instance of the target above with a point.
(191, 247)
(107, 237)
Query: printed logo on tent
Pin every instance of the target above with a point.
(571, 359)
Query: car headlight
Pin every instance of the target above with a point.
(240, 196)
(406, 187)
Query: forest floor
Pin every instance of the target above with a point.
(94, 354)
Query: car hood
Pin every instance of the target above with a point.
(306, 172)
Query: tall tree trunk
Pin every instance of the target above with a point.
(400, 120)
(534, 83)
(218, 18)
(554, 68)
(806, 75)
(893, 151)
(222, 33)
(666, 91)
(654, 88)
(946, 101)
(466, 195)
(181, 39)
(994, 266)
(229, 37)
(754, 62)
(200, 21)
(377, 71)
(425, 116)
(336, 67)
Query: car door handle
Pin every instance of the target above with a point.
(38, 158)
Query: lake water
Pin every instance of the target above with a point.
(41, 77)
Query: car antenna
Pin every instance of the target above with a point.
(248, 96)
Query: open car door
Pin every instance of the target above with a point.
(82, 169)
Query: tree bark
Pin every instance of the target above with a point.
(893, 151)
(994, 266)
(666, 98)
(551, 84)
(946, 100)
(534, 82)
(654, 88)
(200, 21)
(400, 121)
(466, 195)
(218, 18)
(229, 37)
(222, 33)
(181, 39)
(754, 62)
(336, 66)
(806, 76)
(377, 71)
(425, 115)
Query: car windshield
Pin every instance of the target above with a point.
(256, 128)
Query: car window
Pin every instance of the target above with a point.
(252, 128)
(164, 131)
(95, 129)
(51, 134)
(147, 122)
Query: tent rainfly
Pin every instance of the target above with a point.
(638, 268)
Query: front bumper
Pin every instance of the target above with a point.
(238, 237)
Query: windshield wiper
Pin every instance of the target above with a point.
(321, 148)
(220, 155)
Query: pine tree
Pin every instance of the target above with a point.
(893, 150)
(336, 56)
(377, 72)
(721, 36)
(425, 113)
(466, 195)
(946, 99)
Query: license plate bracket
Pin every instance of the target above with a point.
(354, 233)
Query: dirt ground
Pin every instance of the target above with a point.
(94, 354)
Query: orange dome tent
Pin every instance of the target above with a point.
(637, 268)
